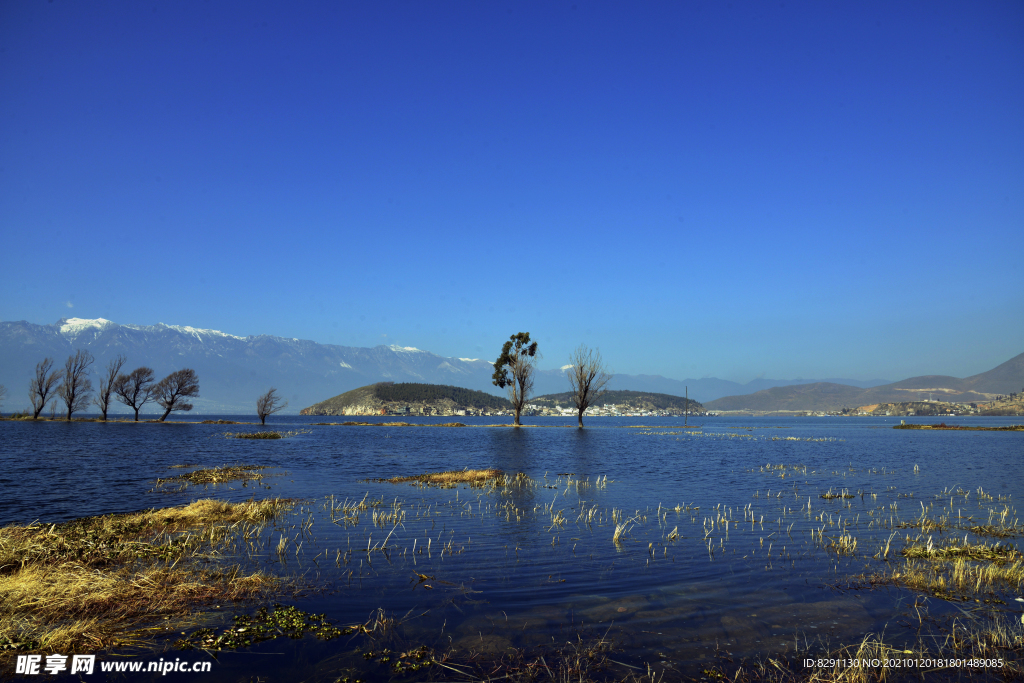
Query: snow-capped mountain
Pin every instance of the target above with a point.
(232, 370)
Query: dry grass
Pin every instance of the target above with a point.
(957, 577)
(217, 475)
(256, 435)
(953, 550)
(449, 479)
(95, 582)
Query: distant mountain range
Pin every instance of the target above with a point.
(234, 370)
(824, 396)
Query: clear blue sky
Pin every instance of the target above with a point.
(698, 189)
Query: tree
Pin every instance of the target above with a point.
(268, 404)
(40, 389)
(173, 389)
(588, 378)
(514, 370)
(107, 383)
(135, 389)
(3, 393)
(76, 387)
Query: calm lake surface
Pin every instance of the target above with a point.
(721, 557)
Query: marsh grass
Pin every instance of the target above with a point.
(841, 495)
(217, 475)
(256, 435)
(449, 479)
(97, 582)
(955, 549)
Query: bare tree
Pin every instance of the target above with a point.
(588, 378)
(268, 404)
(173, 389)
(514, 370)
(42, 386)
(76, 387)
(135, 389)
(3, 393)
(107, 383)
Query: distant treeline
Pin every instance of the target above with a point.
(635, 399)
(425, 393)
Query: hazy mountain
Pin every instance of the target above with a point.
(1004, 379)
(234, 370)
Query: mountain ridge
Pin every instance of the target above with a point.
(233, 370)
(1005, 378)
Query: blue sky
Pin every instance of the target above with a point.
(697, 189)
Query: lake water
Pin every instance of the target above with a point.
(535, 566)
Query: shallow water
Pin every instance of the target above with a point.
(720, 559)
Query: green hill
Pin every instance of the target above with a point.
(407, 398)
(627, 400)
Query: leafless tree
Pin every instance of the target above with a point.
(514, 370)
(107, 383)
(268, 404)
(3, 393)
(135, 389)
(173, 389)
(76, 387)
(588, 378)
(42, 386)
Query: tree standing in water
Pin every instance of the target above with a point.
(76, 387)
(107, 383)
(588, 377)
(135, 389)
(173, 389)
(42, 386)
(515, 368)
(268, 404)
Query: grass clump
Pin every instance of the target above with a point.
(449, 479)
(257, 435)
(843, 495)
(96, 582)
(960, 550)
(217, 475)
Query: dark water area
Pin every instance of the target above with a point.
(727, 548)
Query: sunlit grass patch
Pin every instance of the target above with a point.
(257, 435)
(844, 494)
(919, 549)
(217, 475)
(450, 478)
(96, 582)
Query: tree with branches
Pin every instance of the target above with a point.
(135, 389)
(514, 370)
(107, 383)
(42, 386)
(3, 394)
(74, 390)
(173, 389)
(268, 404)
(588, 379)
